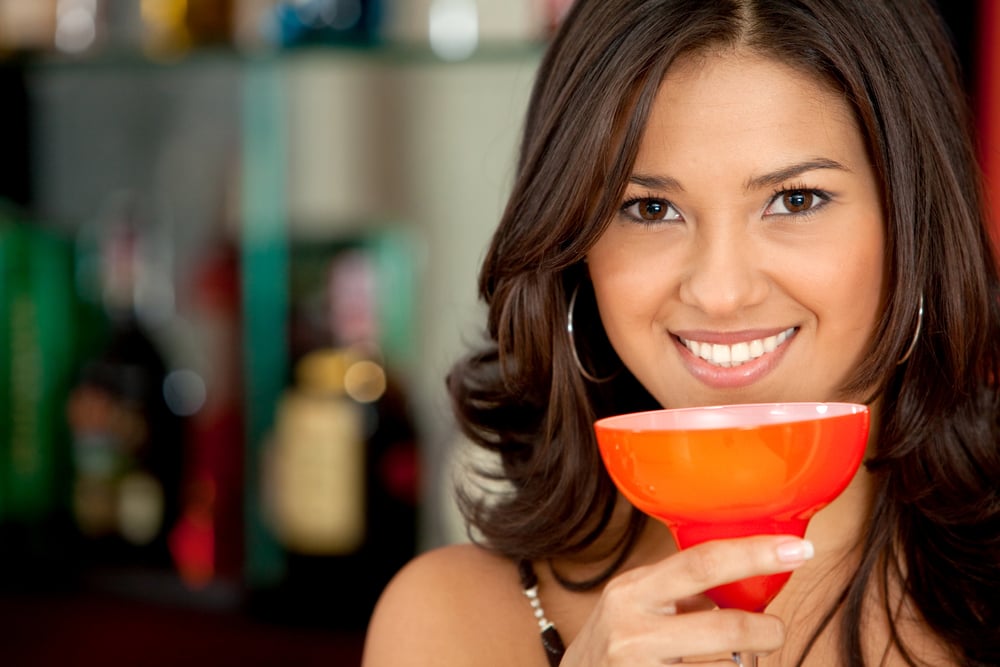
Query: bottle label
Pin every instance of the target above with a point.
(140, 507)
(319, 476)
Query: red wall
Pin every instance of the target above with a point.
(988, 96)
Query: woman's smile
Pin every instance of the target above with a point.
(722, 365)
(716, 350)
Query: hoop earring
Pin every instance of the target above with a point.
(916, 334)
(572, 342)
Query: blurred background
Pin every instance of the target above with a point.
(238, 251)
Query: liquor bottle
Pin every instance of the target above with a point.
(207, 541)
(171, 29)
(328, 22)
(37, 357)
(126, 441)
(27, 26)
(341, 471)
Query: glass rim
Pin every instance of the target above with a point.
(729, 416)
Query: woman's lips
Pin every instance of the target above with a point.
(732, 360)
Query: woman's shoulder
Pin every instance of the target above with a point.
(456, 605)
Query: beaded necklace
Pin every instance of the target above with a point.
(551, 641)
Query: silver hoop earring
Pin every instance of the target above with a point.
(572, 342)
(916, 334)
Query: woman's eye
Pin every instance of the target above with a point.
(791, 202)
(650, 210)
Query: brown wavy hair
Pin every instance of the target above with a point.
(935, 526)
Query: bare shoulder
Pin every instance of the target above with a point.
(457, 605)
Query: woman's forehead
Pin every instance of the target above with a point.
(716, 107)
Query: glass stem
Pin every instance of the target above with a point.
(745, 659)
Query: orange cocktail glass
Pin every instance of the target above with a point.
(734, 471)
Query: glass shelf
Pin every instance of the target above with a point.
(386, 53)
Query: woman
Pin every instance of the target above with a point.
(729, 202)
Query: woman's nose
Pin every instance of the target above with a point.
(724, 272)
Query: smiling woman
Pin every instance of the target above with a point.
(730, 202)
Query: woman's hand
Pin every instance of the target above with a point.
(658, 614)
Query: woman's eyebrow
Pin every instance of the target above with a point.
(768, 180)
(778, 176)
(656, 182)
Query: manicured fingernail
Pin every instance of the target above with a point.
(795, 551)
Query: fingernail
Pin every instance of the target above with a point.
(795, 551)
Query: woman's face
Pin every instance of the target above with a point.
(746, 261)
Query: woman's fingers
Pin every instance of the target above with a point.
(635, 639)
(657, 614)
(693, 571)
(708, 633)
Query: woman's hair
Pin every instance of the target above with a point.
(935, 528)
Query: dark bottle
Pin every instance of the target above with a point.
(341, 472)
(207, 540)
(126, 442)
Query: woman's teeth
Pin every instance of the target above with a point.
(738, 354)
